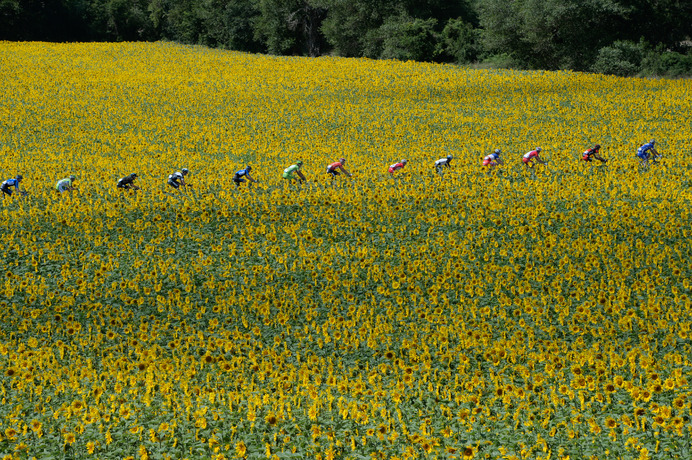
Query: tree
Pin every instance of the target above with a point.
(458, 40)
(10, 11)
(291, 26)
(622, 58)
(441, 10)
(501, 33)
(184, 21)
(351, 25)
(120, 20)
(666, 22)
(58, 20)
(549, 34)
(231, 24)
(404, 38)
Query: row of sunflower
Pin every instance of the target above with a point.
(538, 313)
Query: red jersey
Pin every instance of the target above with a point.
(588, 153)
(395, 166)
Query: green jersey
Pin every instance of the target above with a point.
(63, 185)
(288, 172)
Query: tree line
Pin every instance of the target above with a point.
(622, 37)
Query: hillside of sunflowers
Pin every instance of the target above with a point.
(520, 314)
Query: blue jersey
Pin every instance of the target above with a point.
(241, 173)
(644, 149)
(11, 183)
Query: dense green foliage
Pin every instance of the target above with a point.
(622, 37)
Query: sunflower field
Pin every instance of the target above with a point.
(518, 313)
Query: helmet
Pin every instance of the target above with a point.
(299, 163)
(133, 175)
(498, 151)
(404, 161)
(598, 146)
(342, 160)
(449, 157)
(652, 141)
(538, 149)
(72, 177)
(184, 171)
(249, 168)
(19, 177)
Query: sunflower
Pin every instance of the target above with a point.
(77, 406)
(468, 452)
(36, 426)
(271, 419)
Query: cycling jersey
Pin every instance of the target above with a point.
(175, 178)
(126, 182)
(239, 176)
(334, 166)
(6, 186)
(490, 159)
(63, 185)
(529, 155)
(10, 183)
(588, 153)
(395, 166)
(288, 172)
(643, 151)
(442, 162)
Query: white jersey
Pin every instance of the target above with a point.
(441, 162)
(176, 176)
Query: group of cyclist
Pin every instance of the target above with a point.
(176, 180)
(645, 153)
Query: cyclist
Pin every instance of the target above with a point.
(593, 153)
(334, 168)
(493, 159)
(644, 152)
(66, 185)
(6, 186)
(529, 157)
(443, 163)
(177, 179)
(288, 172)
(127, 182)
(239, 176)
(397, 166)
